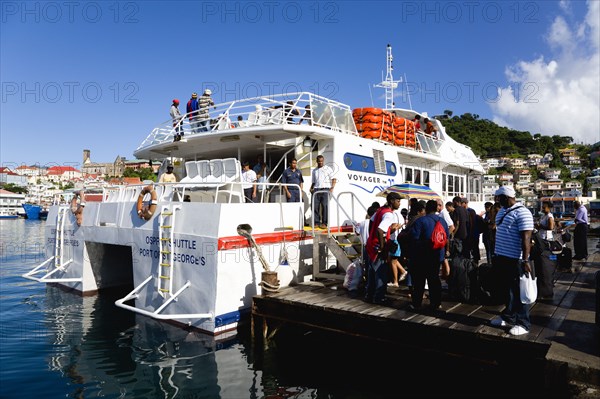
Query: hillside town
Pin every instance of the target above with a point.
(531, 176)
(42, 183)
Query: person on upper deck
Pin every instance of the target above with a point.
(192, 112)
(307, 116)
(204, 103)
(177, 120)
(417, 121)
(430, 129)
(290, 111)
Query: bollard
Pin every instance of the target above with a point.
(269, 283)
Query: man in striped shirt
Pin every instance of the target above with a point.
(204, 103)
(514, 225)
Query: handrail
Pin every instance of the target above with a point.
(134, 294)
(164, 132)
(339, 206)
(134, 189)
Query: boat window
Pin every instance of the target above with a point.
(408, 175)
(417, 176)
(325, 114)
(451, 191)
(428, 144)
(457, 185)
(347, 161)
(426, 178)
(361, 163)
(444, 176)
(379, 161)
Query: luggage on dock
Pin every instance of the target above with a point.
(565, 259)
(483, 285)
(459, 283)
(545, 266)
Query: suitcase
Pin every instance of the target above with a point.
(459, 283)
(484, 289)
(565, 259)
(545, 266)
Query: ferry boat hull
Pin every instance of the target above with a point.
(115, 247)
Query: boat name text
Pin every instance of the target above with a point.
(368, 179)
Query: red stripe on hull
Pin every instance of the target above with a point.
(233, 242)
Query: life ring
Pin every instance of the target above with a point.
(146, 212)
(77, 207)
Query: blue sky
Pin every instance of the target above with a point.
(100, 75)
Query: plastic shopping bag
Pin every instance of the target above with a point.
(528, 288)
(353, 276)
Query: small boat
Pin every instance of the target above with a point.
(33, 211)
(6, 214)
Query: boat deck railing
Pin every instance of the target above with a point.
(283, 109)
(207, 192)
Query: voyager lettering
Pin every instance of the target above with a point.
(367, 179)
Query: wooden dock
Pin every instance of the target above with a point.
(564, 339)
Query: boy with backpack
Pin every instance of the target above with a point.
(429, 236)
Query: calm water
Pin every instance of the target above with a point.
(55, 344)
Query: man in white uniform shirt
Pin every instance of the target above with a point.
(248, 180)
(323, 183)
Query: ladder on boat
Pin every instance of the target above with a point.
(345, 246)
(166, 228)
(59, 255)
(165, 274)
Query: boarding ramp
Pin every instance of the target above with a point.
(339, 246)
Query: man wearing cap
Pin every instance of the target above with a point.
(192, 113)
(514, 225)
(177, 120)
(204, 103)
(168, 176)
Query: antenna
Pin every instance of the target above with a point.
(371, 94)
(389, 84)
(407, 92)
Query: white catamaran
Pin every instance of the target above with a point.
(193, 251)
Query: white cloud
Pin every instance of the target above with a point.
(560, 96)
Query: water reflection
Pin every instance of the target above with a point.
(106, 351)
